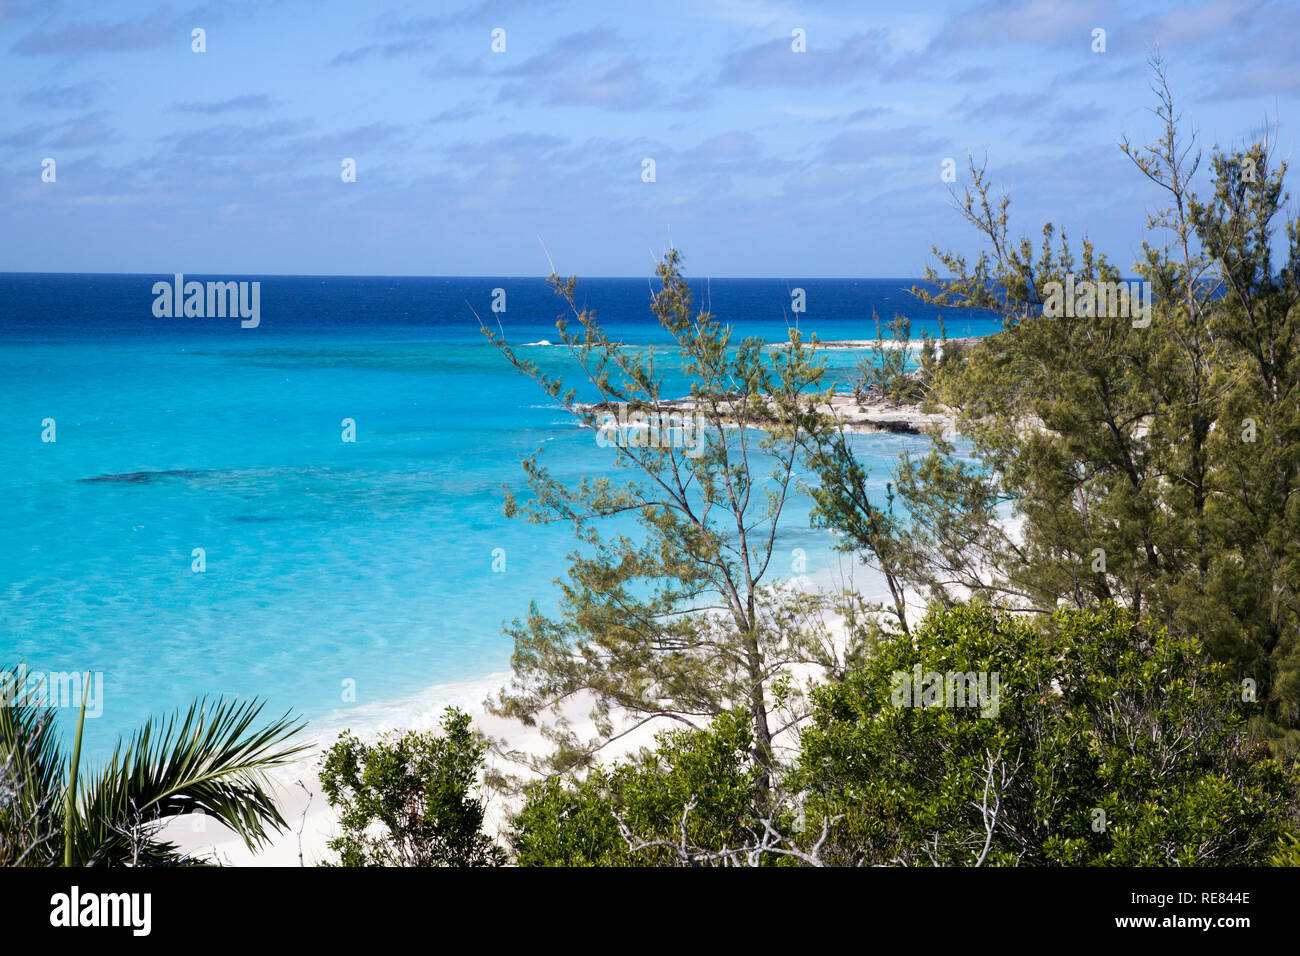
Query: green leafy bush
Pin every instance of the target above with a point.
(709, 771)
(1109, 744)
(407, 800)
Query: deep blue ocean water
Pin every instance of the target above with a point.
(326, 561)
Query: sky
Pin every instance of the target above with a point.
(767, 160)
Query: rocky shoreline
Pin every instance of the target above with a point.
(892, 343)
(873, 414)
(879, 414)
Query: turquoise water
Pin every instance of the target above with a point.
(326, 561)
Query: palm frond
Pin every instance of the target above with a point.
(214, 762)
(32, 765)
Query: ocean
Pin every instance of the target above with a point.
(338, 577)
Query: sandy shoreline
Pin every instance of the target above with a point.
(312, 822)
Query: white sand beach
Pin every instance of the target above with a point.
(312, 822)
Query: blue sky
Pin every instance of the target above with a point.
(768, 162)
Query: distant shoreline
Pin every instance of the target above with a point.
(893, 343)
(873, 414)
(845, 345)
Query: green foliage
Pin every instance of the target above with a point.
(884, 374)
(32, 769)
(1153, 472)
(407, 801)
(566, 823)
(213, 762)
(685, 618)
(576, 823)
(1096, 715)
(1288, 851)
(1156, 466)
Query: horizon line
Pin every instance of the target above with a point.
(380, 275)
